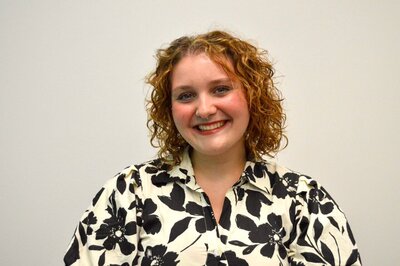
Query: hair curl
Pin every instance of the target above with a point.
(250, 66)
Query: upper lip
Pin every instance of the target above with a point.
(208, 123)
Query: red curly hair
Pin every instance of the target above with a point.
(250, 66)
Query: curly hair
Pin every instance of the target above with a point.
(251, 67)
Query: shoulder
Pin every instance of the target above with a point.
(137, 177)
(280, 180)
(285, 183)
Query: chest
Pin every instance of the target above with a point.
(179, 228)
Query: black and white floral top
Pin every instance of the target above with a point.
(152, 215)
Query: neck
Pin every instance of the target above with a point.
(221, 167)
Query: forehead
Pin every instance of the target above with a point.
(198, 68)
(201, 62)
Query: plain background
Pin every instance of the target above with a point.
(72, 105)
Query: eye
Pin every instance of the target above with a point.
(221, 90)
(185, 96)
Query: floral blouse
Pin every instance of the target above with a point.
(151, 214)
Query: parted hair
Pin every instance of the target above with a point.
(251, 67)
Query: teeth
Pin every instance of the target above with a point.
(211, 127)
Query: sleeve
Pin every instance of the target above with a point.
(107, 233)
(322, 232)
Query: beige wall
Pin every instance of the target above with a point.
(72, 113)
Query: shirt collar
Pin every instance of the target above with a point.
(255, 172)
(184, 171)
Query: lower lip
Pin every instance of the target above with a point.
(212, 131)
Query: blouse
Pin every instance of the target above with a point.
(155, 214)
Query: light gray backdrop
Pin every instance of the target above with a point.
(72, 105)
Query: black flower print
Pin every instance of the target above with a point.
(317, 202)
(136, 180)
(158, 255)
(176, 198)
(254, 201)
(294, 263)
(114, 229)
(214, 260)
(239, 193)
(201, 216)
(269, 235)
(89, 221)
(151, 214)
(285, 185)
(255, 171)
(149, 221)
(72, 254)
(204, 220)
(162, 178)
(227, 258)
(233, 260)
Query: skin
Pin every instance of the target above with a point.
(211, 113)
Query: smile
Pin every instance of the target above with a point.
(211, 126)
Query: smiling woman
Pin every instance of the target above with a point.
(211, 198)
(213, 115)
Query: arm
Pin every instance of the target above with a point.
(107, 231)
(323, 234)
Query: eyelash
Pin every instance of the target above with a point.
(224, 89)
(188, 96)
(185, 96)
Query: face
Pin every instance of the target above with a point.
(209, 108)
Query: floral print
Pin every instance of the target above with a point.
(269, 234)
(158, 255)
(154, 214)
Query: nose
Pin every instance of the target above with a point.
(206, 107)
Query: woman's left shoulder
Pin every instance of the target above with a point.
(285, 183)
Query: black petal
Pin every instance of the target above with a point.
(245, 223)
(317, 229)
(353, 241)
(178, 228)
(253, 202)
(96, 198)
(176, 199)
(249, 249)
(233, 260)
(82, 234)
(311, 257)
(194, 209)
(268, 250)
(72, 254)
(238, 243)
(102, 259)
(353, 258)
(151, 170)
(152, 224)
(126, 247)
(334, 223)
(275, 221)
(327, 208)
(121, 185)
(327, 253)
(258, 170)
(225, 220)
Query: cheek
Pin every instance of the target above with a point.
(181, 115)
(238, 105)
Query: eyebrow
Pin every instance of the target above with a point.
(219, 81)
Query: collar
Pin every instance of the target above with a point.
(255, 172)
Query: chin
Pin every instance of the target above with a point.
(211, 151)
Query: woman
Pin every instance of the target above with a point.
(210, 198)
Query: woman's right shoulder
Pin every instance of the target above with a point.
(136, 176)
